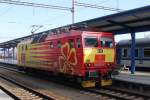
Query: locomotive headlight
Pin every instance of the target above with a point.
(108, 64)
(88, 64)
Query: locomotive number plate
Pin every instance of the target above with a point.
(100, 51)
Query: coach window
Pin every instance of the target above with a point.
(125, 52)
(78, 43)
(51, 45)
(146, 52)
(71, 43)
(136, 52)
(59, 44)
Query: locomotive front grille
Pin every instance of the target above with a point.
(92, 74)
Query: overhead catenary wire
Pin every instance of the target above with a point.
(71, 9)
(14, 2)
(97, 6)
(104, 1)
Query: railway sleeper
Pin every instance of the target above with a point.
(17, 91)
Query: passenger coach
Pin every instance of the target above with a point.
(142, 53)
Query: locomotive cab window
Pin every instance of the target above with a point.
(91, 41)
(124, 52)
(71, 43)
(106, 42)
(146, 52)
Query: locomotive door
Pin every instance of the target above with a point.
(79, 54)
(71, 56)
(99, 56)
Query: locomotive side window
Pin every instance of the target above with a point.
(71, 43)
(78, 43)
(124, 52)
(146, 52)
(59, 44)
(51, 45)
(91, 41)
(106, 42)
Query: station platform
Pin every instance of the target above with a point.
(138, 77)
(9, 60)
(4, 96)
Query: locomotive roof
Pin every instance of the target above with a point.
(141, 42)
(119, 23)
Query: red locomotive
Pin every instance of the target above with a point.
(86, 56)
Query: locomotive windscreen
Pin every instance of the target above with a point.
(91, 41)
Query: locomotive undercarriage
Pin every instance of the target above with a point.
(93, 79)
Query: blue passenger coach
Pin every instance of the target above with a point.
(142, 53)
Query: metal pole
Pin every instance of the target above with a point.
(119, 55)
(133, 53)
(4, 52)
(13, 50)
(8, 53)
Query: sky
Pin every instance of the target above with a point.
(16, 21)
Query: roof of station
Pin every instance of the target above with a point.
(137, 20)
(141, 42)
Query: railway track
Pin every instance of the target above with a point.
(19, 91)
(118, 94)
(110, 93)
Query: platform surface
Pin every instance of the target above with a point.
(8, 60)
(4, 96)
(138, 77)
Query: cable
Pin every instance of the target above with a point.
(104, 1)
(97, 6)
(34, 4)
(6, 11)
